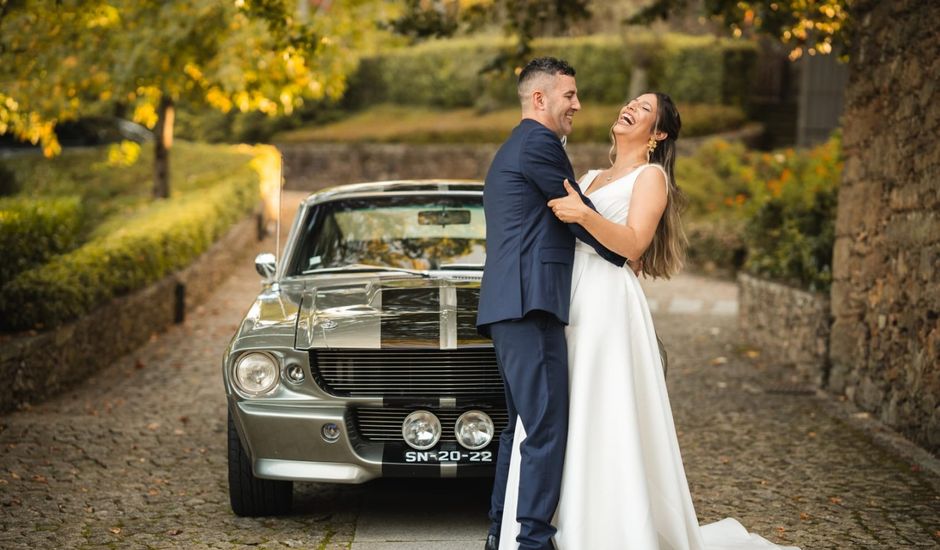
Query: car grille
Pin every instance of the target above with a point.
(462, 372)
(384, 424)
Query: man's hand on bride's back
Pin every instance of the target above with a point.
(570, 208)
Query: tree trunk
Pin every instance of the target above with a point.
(162, 145)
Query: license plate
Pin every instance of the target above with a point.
(442, 456)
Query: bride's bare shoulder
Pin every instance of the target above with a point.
(588, 176)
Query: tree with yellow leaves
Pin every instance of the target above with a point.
(806, 26)
(68, 58)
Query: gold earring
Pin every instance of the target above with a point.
(651, 144)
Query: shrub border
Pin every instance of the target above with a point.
(38, 366)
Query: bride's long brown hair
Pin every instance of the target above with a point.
(666, 253)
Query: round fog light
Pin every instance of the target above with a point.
(421, 430)
(330, 432)
(474, 430)
(295, 373)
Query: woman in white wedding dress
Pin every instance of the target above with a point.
(624, 485)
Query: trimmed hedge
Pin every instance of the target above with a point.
(35, 229)
(163, 238)
(447, 73)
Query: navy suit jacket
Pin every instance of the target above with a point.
(529, 252)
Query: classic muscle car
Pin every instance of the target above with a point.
(360, 357)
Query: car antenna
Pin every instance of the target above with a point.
(277, 223)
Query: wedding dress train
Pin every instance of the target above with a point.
(624, 485)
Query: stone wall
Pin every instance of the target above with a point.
(35, 366)
(313, 166)
(885, 345)
(788, 324)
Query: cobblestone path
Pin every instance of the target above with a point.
(135, 457)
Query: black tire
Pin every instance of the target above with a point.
(252, 496)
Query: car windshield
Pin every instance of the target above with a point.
(419, 232)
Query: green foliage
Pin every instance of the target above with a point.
(603, 64)
(163, 238)
(441, 73)
(791, 236)
(450, 73)
(716, 246)
(65, 59)
(107, 191)
(780, 207)
(689, 67)
(523, 20)
(119, 239)
(719, 179)
(34, 229)
(398, 124)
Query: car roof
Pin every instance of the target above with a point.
(380, 188)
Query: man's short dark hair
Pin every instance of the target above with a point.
(538, 73)
(545, 65)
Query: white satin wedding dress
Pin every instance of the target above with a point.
(623, 486)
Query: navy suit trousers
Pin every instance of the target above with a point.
(533, 358)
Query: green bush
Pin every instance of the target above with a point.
(716, 246)
(719, 180)
(688, 68)
(34, 229)
(777, 207)
(791, 236)
(447, 73)
(157, 241)
(603, 65)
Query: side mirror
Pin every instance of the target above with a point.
(266, 265)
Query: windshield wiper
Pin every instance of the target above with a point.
(364, 268)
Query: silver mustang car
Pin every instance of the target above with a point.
(360, 358)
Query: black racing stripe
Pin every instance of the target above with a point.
(484, 404)
(394, 465)
(411, 402)
(411, 470)
(476, 470)
(411, 317)
(482, 469)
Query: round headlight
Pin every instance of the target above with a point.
(474, 430)
(256, 373)
(421, 430)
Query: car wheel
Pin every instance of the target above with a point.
(250, 495)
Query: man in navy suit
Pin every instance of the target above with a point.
(526, 290)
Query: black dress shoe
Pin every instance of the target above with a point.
(492, 543)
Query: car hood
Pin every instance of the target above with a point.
(271, 320)
(390, 312)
